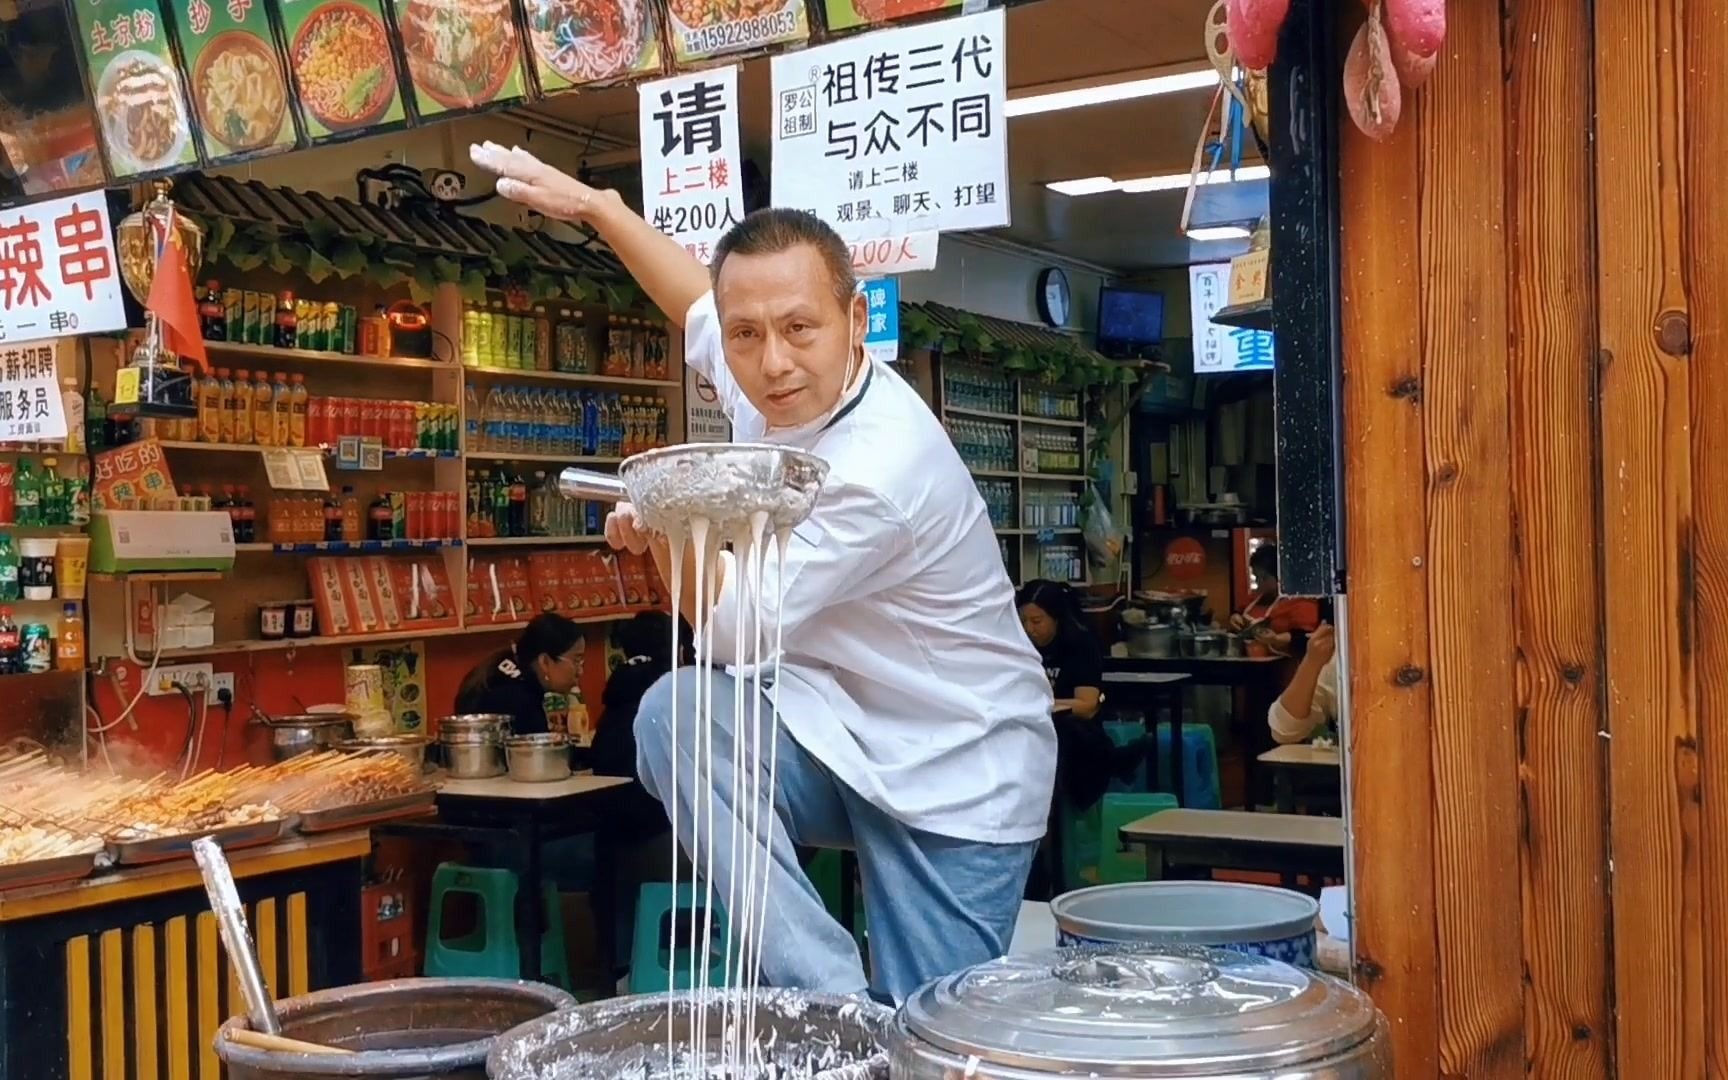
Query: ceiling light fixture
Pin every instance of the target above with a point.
(1209, 233)
(1030, 103)
(1095, 185)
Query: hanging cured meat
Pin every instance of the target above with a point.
(1371, 90)
(1253, 27)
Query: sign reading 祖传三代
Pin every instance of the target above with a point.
(896, 132)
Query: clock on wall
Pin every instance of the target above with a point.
(1055, 303)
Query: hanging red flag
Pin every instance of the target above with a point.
(171, 299)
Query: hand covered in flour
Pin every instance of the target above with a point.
(625, 531)
(526, 179)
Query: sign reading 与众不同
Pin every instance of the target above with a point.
(58, 273)
(1217, 348)
(882, 336)
(896, 132)
(30, 405)
(704, 417)
(692, 189)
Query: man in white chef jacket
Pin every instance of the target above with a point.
(915, 714)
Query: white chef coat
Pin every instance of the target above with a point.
(1290, 728)
(905, 670)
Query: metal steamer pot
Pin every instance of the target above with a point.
(801, 1033)
(291, 736)
(1119, 1011)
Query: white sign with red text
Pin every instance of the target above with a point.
(896, 132)
(58, 272)
(692, 182)
(704, 417)
(30, 406)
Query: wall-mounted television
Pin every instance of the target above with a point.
(1130, 321)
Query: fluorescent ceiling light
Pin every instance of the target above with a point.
(1094, 185)
(1128, 90)
(1091, 185)
(1207, 233)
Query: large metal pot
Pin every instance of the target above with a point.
(410, 1029)
(490, 724)
(1270, 922)
(1149, 641)
(823, 1036)
(1141, 1014)
(302, 733)
(538, 759)
(473, 757)
(411, 748)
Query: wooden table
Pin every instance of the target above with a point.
(521, 818)
(1205, 840)
(1288, 760)
(121, 975)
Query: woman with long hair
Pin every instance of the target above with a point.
(546, 659)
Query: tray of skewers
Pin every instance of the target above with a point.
(336, 790)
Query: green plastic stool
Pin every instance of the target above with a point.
(1122, 733)
(824, 873)
(653, 969)
(490, 950)
(1119, 862)
(1079, 847)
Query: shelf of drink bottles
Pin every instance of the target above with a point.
(272, 354)
(409, 453)
(533, 541)
(574, 378)
(558, 459)
(346, 547)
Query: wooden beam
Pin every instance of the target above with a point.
(1461, 128)
(1386, 544)
(1649, 553)
(1705, 33)
(1551, 288)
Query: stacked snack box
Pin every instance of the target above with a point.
(380, 594)
(578, 584)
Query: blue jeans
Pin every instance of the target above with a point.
(935, 904)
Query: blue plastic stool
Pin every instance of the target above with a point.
(1199, 766)
(652, 968)
(1123, 732)
(490, 950)
(1119, 862)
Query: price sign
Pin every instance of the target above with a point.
(895, 254)
(692, 189)
(30, 405)
(896, 132)
(58, 273)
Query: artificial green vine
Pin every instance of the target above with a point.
(1060, 363)
(324, 251)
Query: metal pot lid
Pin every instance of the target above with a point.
(1185, 912)
(1127, 1011)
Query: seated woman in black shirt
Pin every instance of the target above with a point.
(546, 659)
(1085, 756)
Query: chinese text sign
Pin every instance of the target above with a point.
(58, 273)
(692, 189)
(896, 132)
(882, 335)
(30, 405)
(1219, 349)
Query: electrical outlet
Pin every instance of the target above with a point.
(195, 677)
(222, 680)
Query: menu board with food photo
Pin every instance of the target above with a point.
(238, 82)
(344, 67)
(583, 42)
(48, 139)
(462, 54)
(146, 127)
(705, 28)
(848, 14)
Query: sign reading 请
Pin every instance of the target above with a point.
(58, 273)
(692, 189)
(896, 132)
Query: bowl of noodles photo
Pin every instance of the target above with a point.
(239, 91)
(589, 41)
(342, 58)
(143, 117)
(460, 52)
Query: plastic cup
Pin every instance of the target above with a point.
(71, 561)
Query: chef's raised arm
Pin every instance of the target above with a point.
(672, 278)
(855, 544)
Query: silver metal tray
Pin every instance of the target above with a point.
(368, 813)
(158, 849)
(48, 871)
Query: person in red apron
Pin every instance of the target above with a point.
(1274, 620)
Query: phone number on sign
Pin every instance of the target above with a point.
(741, 34)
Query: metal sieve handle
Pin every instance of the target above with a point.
(574, 483)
